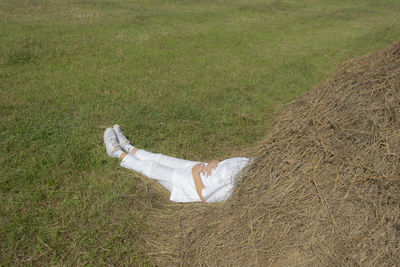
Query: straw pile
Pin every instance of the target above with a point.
(325, 189)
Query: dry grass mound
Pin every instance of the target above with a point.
(325, 189)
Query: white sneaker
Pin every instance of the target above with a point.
(121, 137)
(111, 142)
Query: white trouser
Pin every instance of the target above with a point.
(156, 166)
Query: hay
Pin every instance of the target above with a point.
(325, 189)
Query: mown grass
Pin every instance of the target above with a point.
(194, 79)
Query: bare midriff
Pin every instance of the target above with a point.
(199, 185)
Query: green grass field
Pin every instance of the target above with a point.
(193, 79)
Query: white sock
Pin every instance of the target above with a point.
(118, 153)
(128, 147)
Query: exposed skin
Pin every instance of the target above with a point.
(123, 155)
(200, 168)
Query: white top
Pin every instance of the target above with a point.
(217, 187)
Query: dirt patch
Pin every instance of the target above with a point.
(325, 189)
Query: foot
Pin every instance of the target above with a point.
(121, 137)
(111, 142)
(123, 141)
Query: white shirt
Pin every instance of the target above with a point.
(217, 187)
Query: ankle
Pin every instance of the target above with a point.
(133, 150)
(128, 147)
(117, 152)
(122, 156)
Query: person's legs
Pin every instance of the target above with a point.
(168, 161)
(145, 155)
(163, 174)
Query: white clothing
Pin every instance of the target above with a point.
(219, 186)
(176, 175)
